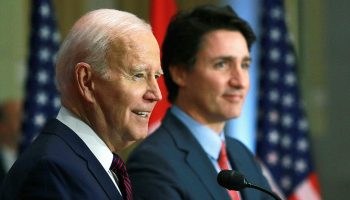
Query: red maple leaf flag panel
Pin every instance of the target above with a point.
(160, 15)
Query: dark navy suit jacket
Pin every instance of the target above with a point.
(58, 165)
(170, 164)
(2, 169)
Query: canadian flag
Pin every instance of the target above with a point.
(160, 15)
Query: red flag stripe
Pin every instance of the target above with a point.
(161, 13)
(308, 190)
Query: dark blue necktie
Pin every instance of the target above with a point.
(118, 167)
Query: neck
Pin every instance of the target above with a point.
(215, 125)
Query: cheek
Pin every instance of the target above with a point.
(113, 101)
(134, 93)
(208, 91)
(247, 82)
(216, 84)
(129, 97)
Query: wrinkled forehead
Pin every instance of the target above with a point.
(120, 47)
(134, 47)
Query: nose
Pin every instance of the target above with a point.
(239, 77)
(153, 92)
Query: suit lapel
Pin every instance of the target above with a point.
(80, 148)
(104, 180)
(202, 167)
(236, 157)
(196, 158)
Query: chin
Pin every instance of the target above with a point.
(140, 134)
(234, 115)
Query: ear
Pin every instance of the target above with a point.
(179, 75)
(83, 78)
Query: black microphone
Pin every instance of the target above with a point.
(233, 180)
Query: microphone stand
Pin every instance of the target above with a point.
(232, 180)
(275, 196)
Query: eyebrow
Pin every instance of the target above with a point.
(161, 72)
(245, 58)
(142, 67)
(248, 58)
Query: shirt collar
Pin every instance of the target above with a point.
(89, 137)
(209, 140)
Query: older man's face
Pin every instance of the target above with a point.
(128, 96)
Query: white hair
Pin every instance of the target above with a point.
(89, 40)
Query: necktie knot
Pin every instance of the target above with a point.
(223, 160)
(119, 168)
(118, 165)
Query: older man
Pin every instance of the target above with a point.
(107, 71)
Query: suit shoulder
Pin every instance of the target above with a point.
(238, 145)
(155, 150)
(158, 140)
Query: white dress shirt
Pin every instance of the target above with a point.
(90, 138)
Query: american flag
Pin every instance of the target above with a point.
(283, 145)
(41, 96)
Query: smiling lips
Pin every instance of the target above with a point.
(233, 97)
(144, 114)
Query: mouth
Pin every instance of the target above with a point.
(233, 97)
(144, 114)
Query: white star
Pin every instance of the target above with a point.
(273, 96)
(287, 121)
(39, 120)
(41, 98)
(44, 54)
(44, 32)
(273, 117)
(276, 13)
(290, 79)
(273, 75)
(287, 100)
(287, 162)
(42, 77)
(56, 102)
(275, 34)
(303, 125)
(302, 145)
(286, 182)
(275, 55)
(44, 10)
(56, 37)
(300, 166)
(272, 158)
(273, 137)
(290, 59)
(286, 141)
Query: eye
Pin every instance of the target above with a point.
(157, 76)
(139, 76)
(245, 65)
(220, 64)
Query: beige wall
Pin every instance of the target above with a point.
(13, 42)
